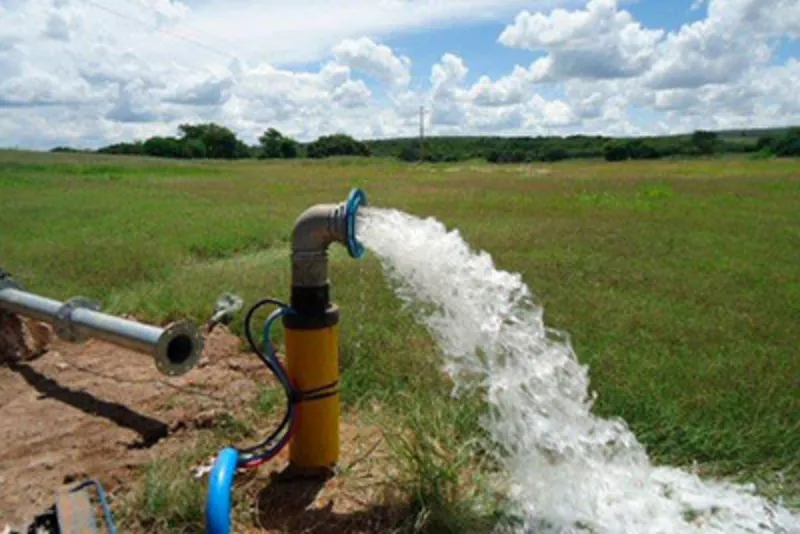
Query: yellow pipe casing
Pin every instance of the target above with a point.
(313, 362)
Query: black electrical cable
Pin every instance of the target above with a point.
(249, 333)
(248, 457)
(246, 454)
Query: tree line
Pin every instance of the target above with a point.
(213, 141)
(780, 143)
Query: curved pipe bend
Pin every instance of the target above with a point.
(314, 231)
(317, 227)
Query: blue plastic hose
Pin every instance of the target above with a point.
(218, 504)
(356, 198)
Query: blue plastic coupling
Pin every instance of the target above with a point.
(220, 485)
(355, 199)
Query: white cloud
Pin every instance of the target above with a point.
(210, 91)
(57, 27)
(762, 98)
(508, 90)
(352, 94)
(135, 104)
(73, 73)
(35, 87)
(550, 113)
(406, 104)
(448, 73)
(447, 95)
(597, 42)
(497, 119)
(733, 40)
(276, 26)
(374, 59)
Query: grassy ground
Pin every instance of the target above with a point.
(678, 282)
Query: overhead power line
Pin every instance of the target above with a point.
(150, 26)
(229, 44)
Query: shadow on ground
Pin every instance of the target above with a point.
(287, 504)
(149, 429)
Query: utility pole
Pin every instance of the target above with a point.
(422, 133)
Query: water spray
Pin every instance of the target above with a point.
(311, 377)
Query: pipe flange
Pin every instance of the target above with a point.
(355, 199)
(179, 348)
(63, 326)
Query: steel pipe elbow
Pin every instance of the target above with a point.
(314, 231)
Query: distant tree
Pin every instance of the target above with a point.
(163, 147)
(410, 152)
(788, 144)
(555, 154)
(193, 148)
(220, 142)
(275, 145)
(638, 149)
(704, 141)
(531, 156)
(289, 148)
(768, 143)
(242, 150)
(271, 144)
(126, 149)
(337, 145)
(616, 152)
(518, 156)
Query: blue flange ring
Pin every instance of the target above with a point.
(356, 198)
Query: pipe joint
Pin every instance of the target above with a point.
(313, 233)
(63, 325)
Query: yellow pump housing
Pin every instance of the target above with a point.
(312, 333)
(313, 365)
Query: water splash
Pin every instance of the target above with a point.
(570, 470)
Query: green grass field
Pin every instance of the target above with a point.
(679, 283)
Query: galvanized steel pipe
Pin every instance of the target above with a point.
(176, 348)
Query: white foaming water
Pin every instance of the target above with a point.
(570, 471)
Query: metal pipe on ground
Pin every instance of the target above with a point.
(176, 348)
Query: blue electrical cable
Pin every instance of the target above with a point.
(267, 342)
(283, 378)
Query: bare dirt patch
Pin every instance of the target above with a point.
(97, 410)
(357, 499)
(72, 412)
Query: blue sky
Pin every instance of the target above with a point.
(477, 43)
(91, 72)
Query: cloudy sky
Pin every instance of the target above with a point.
(91, 72)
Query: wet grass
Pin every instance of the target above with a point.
(677, 281)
